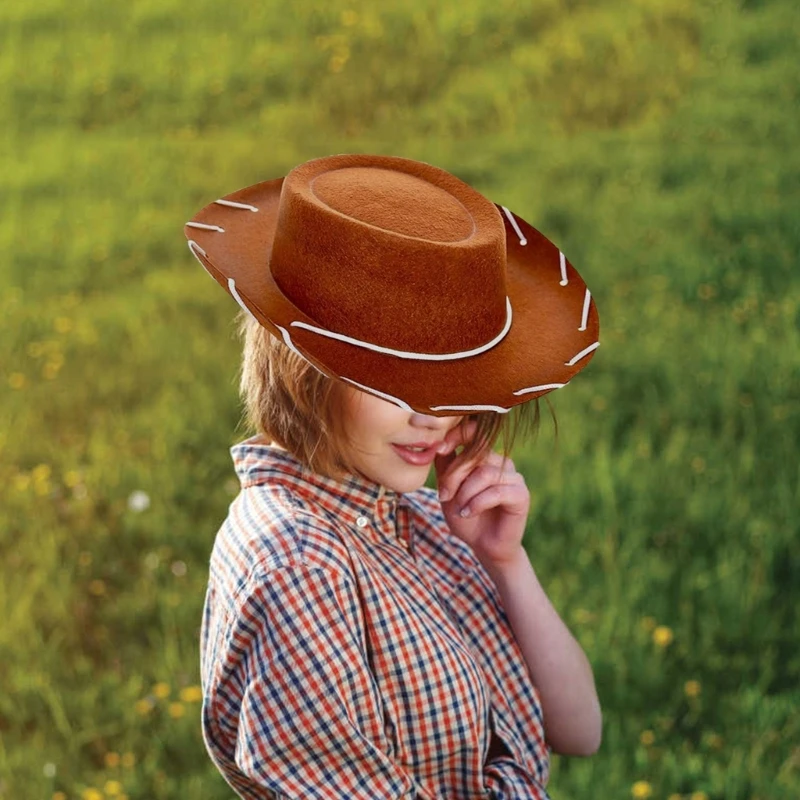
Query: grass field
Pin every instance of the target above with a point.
(654, 141)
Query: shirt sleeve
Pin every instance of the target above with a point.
(310, 723)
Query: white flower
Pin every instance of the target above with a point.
(49, 770)
(178, 568)
(138, 501)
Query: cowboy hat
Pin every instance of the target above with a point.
(402, 280)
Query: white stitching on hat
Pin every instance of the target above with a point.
(420, 356)
(522, 239)
(232, 287)
(564, 280)
(542, 388)
(287, 340)
(586, 299)
(235, 205)
(579, 356)
(395, 400)
(498, 409)
(208, 271)
(193, 242)
(206, 227)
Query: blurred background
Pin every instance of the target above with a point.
(654, 141)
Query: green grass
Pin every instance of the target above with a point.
(653, 141)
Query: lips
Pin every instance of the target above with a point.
(420, 458)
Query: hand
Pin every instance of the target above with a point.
(495, 495)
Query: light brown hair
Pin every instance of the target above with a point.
(288, 401)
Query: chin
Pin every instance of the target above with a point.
(410, 484)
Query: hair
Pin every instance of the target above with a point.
(290, 402)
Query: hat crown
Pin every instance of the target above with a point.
(394, 252)
(395, 202)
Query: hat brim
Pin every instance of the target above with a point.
(553, 335)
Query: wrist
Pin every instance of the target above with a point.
(503, 570)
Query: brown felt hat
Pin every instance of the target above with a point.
(402, 280)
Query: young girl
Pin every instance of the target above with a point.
(365, 636)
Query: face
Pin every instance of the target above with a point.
(375, 425)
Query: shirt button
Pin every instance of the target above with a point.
(361, 522)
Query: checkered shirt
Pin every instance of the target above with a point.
(352, 647)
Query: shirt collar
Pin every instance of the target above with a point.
(351, 498)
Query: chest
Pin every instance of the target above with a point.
(432, 690)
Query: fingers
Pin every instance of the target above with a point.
(468, 476)
(446, 454)
(459, 435)
(512, 496)
(488, 480)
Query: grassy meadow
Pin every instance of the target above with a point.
(654, 141)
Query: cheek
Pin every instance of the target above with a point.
(370, 425)
(382, 418)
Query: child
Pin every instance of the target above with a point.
(365, 636)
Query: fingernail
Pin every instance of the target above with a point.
(442, 448)
(465, 512)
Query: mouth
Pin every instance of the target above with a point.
(416, 454)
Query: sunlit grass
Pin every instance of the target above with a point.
(654, 142)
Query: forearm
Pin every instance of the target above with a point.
(556, 662)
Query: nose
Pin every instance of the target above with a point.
(442, 424)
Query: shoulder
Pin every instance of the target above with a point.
(267, 529)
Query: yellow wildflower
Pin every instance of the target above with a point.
(113, 788)
(112, 760)
(72, 478)
(58, 796)
(647, 738)
(16, 380)
(97, 587)
(161, 690)
(648, 623)
(176, 710)
(62, 324)
(641, 790)
(692, 688)
(191, 694)
(662, 635)
(41, 472)
(698, 796)
(91, 794)
(143, 706)
(50, 369)
(128, 760)
(42, 488)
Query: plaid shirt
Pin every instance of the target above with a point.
(352, 647)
